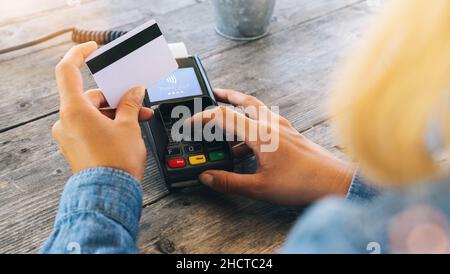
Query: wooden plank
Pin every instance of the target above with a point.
(184, 24)
(20, 10)
(23, 10)
(199, 220)
(32, 75)
(91, 15)
(197, 29)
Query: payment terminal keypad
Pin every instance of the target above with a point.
(183, 154)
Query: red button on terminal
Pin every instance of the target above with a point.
(176, 162)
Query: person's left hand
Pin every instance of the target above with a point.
(294, 172)
(90, 136)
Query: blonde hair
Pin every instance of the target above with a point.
(388, 92)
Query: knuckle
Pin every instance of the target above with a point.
(250, 100)
(259, 185)
(230, 93)
(132, 104)
(68, 113)
(283, 121)
(221, 109)
(93, 96)
(225, 183)
(56, 129)
(221, 112)
(225, 113)
(61, 68)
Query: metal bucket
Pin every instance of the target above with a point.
(243, 19)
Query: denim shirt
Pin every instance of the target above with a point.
(100, 210)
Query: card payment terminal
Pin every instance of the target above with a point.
(181, 162)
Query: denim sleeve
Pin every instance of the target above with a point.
(99, 212)
(332, 225)
(360, 191)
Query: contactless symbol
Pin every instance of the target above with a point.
(171, 79)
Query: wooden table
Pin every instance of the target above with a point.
(289, 68)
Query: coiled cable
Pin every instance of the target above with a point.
(101, 37)
(78, 36)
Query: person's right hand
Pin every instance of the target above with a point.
(298, 171)
(90, 136)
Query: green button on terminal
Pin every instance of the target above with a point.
(216, 156)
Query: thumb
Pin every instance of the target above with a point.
(229, 182)
(130, 104)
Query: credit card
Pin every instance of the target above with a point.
(141, 57)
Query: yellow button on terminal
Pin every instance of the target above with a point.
(197, 159)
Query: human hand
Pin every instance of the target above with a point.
(298, 171)
(90, 136)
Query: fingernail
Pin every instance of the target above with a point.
(138, 93)
(92, 44)
(206, 179)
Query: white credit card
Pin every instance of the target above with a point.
(139, 58)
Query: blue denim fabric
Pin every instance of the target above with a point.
(371, 222)
(99, 212)
(320, 227)
(360, 192)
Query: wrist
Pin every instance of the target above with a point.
(344, 173)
